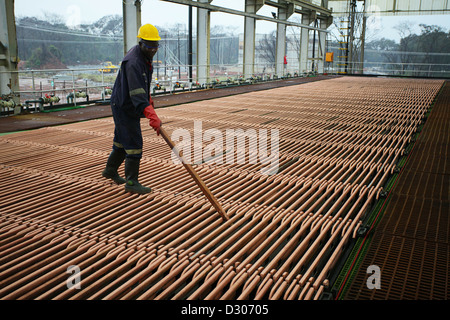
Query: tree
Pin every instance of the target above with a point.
(382, 51)
(434, 39)
(266, 47)
(54, 51)
(35, 60)
(223, 45)
(47, 57)
(89, 43)
(425, 54)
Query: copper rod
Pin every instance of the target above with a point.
(195, 176)
(339, 143)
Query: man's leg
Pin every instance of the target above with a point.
(115, 159)
(133, 143)
(132, 165)
(128, 140)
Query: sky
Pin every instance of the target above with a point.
(165, 14)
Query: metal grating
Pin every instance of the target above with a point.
(411, 243)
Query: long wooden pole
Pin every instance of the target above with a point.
(195, 176)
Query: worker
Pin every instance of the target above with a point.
(131, 101)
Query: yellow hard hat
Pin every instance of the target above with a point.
(148, 32)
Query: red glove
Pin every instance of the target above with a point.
(149, 113)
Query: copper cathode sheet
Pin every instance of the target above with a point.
(339, 143)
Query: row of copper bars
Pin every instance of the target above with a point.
(339, 142)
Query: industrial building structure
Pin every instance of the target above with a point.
(355, 207)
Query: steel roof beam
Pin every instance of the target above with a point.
(240, 13)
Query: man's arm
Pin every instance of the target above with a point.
(140, 96)
(138, 87)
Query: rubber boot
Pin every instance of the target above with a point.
(112, 165)
(132, 173)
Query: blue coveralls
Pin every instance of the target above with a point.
(129, 98)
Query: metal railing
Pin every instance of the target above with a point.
(56, 86)
(42, 90)
(437, 70)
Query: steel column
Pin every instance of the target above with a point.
(284, 12)
(9, 80)
(251, 6)
(203, 37)
(322, 43)
(131, 23)
(304, 42)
